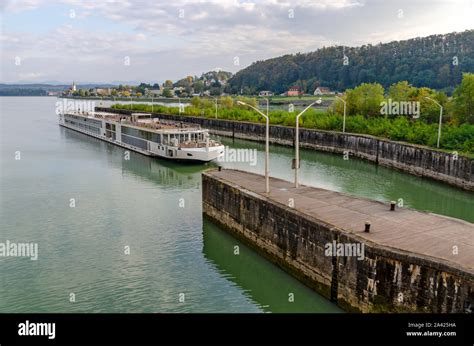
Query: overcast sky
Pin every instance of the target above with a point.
(107, 41)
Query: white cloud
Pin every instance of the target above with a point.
(212, 33)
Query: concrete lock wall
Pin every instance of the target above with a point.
(413, 159)
(386, 280)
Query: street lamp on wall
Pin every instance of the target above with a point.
(297, 140)
(267, 144)
(440, 118)
(344, 119)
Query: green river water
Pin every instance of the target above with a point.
(154, 208)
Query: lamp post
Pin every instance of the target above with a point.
(297, 140)
(267, 146)
(440, 118)
(344, 119)
(215, 98)
(179, 105)
(152, 104)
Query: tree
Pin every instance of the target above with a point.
(421, 61)
(215, 91)
(168, 84)
(366, 99)
(196, 102)
(463, 100)
(226, 101)
(167, 92)
(444, 76)
(401, 91)
(142, 87)
(198, 87)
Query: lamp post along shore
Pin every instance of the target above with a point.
(267, 143)
(297, 139)
(440, 118)
(215, 99)
(344, 118)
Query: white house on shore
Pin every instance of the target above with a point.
(323, 91)
(155, 92)
(265, 93)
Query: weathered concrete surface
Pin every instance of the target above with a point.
(413, 159)
(413, 261)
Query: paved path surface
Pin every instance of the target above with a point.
(404, 229)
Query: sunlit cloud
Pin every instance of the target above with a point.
(168, 40)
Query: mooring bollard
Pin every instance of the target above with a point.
(219, 168)
(392, 206)
(367, 227)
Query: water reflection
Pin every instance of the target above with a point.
(266, 284)
(167, 174)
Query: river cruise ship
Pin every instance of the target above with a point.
(149, 136)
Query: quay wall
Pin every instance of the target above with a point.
(443, 166)
(386, 280)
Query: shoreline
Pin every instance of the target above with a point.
(414, 159)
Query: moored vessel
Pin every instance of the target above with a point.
(150, 136)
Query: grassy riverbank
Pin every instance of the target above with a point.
(458, 138)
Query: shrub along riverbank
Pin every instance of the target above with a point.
(416, 131)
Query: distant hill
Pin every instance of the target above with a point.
(214, 78)
(427, 61)
(41, 89)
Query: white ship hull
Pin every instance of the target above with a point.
(196, 154)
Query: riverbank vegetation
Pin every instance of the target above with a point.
(365, 113)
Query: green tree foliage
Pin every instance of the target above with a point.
(142, 88)
(365, 99)
(401, 91)
(435, 61)
(196, 102)
(167, 92)
(198, 87)
(463, 100)
(226, 102)
(215, 91)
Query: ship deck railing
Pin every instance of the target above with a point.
(198, 144)
(162, 125)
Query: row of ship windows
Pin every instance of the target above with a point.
(136, 142)
(83, 126)
(139, 143)
(85, 120)
(149, 136)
